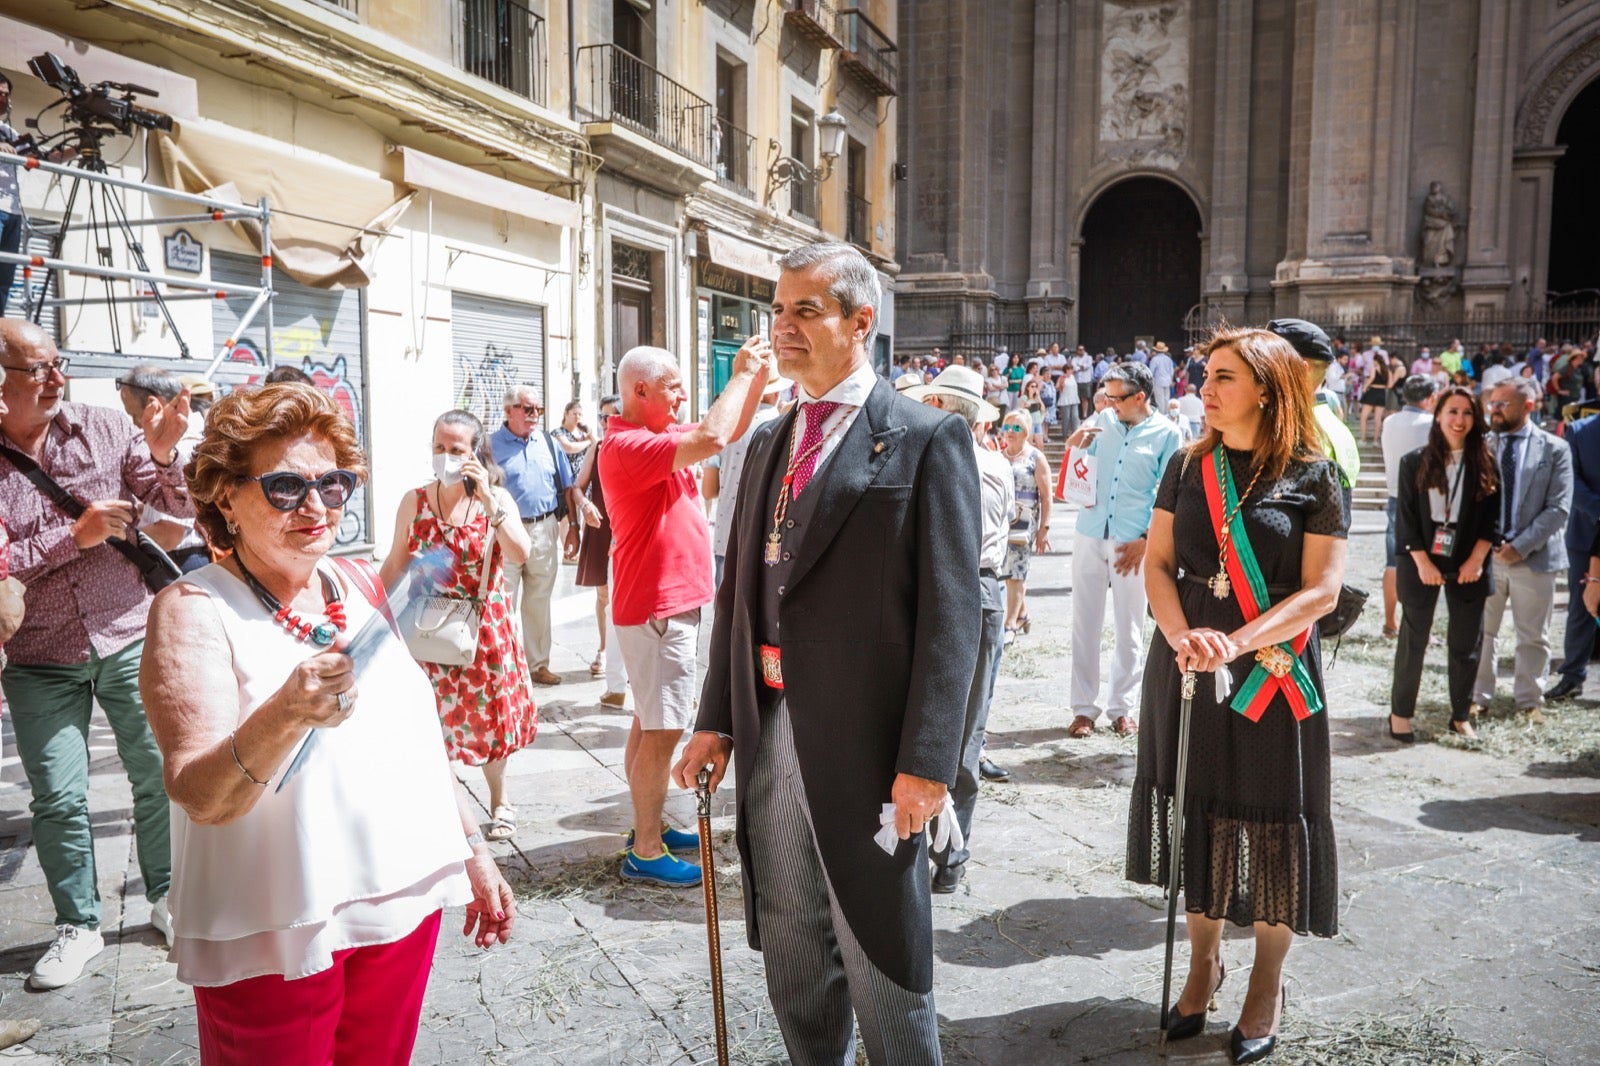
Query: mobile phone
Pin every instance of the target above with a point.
(472, 486)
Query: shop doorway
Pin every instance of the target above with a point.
(1140, 265)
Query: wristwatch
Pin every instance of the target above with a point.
(475, 839)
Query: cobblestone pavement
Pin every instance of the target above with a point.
(1470, 922)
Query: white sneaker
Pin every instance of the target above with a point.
(65, 959)
(161, 919)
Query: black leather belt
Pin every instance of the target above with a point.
(989, 571)
(541, 517)
(1275, 591)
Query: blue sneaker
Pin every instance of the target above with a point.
(665, 869)
(674, 839)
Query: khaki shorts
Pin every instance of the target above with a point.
(660, 657)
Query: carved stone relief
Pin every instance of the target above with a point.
(1144, 75)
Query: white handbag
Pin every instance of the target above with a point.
(445, 629)
(1078, 469)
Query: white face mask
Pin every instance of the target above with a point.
(447, 468)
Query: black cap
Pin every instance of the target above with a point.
(1308, 339)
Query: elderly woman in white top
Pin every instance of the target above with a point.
(306, 893)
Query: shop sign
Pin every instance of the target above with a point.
(761, 290)
(184, 254)
(721, 279)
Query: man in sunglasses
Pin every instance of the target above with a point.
(1131, 446)
(84, 632)
(540, 480)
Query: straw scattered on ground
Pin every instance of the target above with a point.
(1420, 1039)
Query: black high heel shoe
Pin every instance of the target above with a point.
(1404, 738)
(1182, 1026)
(1254, 1048)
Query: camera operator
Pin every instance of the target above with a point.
(10, 196)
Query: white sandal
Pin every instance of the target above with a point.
(503, 825)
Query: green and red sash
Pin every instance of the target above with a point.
(1250, 585)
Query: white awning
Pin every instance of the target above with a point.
(743, 256)
(424, 171)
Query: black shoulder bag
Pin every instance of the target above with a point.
(154, 565)
(555, 469)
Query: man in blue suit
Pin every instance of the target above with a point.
(1583, 437)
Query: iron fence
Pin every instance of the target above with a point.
(616, 86)
(815, 20)
(735, 152)
(502, 41)
(1558, 321)
(987, 342)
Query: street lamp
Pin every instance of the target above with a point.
(786, 168)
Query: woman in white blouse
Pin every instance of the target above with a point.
(316, 830)
(1447, 521)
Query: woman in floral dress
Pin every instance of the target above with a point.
(486, 709)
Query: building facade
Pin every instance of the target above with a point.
(464, 194)
(1149, 167)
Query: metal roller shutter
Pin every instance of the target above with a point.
(495, 344)
(318, 330)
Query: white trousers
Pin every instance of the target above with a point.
(1532, 598)
(1093, 573)
(536, 581)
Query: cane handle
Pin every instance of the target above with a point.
(702, 793)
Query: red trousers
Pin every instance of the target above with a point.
(361, 1011)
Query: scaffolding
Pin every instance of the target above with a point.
(107, 219)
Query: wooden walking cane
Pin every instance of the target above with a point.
(1175, 845)
(708, 878)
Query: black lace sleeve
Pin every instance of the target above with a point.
(1167, 491)
(1326, 516)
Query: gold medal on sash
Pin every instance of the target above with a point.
(1219, 585)
(774, 547)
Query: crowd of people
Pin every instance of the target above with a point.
(171, 563)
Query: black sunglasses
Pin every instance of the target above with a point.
(286, 490)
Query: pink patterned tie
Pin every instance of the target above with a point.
(816, 412)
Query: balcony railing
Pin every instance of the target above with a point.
(815, 20)
(868, 53)
(859, 230)
(734, 150)
(503, 42)
(616, 86)
(803, 197)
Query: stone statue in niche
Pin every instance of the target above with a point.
(1439, 221)
(1143, 74)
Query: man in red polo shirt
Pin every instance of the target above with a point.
(661, 573)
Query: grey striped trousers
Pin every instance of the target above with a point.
(816, 969)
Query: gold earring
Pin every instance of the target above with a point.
(232, 528)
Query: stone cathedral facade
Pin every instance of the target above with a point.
(1097, 170)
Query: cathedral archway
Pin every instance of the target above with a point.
(1574, 266)
(1139, 267)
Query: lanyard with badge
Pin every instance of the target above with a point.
(1444, 538)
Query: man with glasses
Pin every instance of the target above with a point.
(539, 478)
(1131, 446)
(1535, 498)
(84, 632)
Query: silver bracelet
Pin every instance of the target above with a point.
(234, 748)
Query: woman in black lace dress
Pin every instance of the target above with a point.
(1258, 845)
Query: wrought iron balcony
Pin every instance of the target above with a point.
(734, 151)
(616, 86)
(503, 42)
(859, 228)
(803, 197)
(815, 20)
(867, 53)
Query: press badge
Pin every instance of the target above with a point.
(1444, 540)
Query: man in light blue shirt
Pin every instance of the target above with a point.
(539, 478)
(1131, 446)
(1161, 370)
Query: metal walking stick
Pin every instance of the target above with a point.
(1175, 844)
(708, 878)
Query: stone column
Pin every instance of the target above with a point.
(1531, 199)
(1051, 229)
(1227, 278)
(1486, 272)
